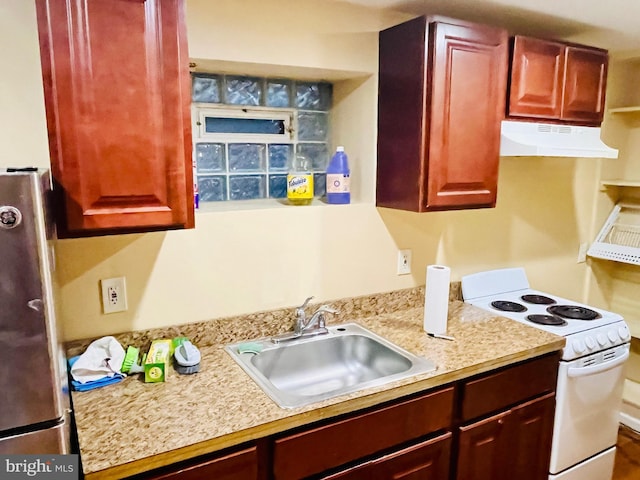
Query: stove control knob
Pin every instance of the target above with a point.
(578, 346)
(602, 339)
(624, 333)
(590, 343)
(613, 336)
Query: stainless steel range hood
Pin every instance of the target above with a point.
(527, 139)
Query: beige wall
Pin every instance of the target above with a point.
(618, 284)
(247, 260)
(23, 129)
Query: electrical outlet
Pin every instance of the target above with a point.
(114, 295)
(582, 252)
(404, 262)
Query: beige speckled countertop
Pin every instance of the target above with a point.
(131, 427)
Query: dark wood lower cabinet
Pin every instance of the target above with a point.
(363, 435)
(492, 426)
(530, 438)
(481, 444)
(240, 465)
(514, 444)
(428, 460)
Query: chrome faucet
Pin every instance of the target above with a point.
(301, 317)
(315, 325)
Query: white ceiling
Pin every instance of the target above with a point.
(610, 24)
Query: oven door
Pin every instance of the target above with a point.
(588, 401)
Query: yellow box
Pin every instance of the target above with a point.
(156, 365)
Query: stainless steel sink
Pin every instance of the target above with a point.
(307, 370)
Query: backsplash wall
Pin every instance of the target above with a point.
(243, 261)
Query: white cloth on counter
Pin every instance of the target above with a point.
(102, 358)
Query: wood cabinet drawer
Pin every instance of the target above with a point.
(507, 387)
(240, 465)
(329, 446)
(428, 460)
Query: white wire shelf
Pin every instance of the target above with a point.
(619, 237)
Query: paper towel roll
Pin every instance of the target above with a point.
(436, 299)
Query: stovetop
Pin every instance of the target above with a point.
(506, 292)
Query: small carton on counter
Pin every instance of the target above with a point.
(156, 364)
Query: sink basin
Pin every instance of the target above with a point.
(307, 370)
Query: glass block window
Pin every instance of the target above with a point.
(247, 129)
(210, 157)
(205, 88)
(278, 93)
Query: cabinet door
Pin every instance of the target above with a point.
(401, 167)
(117, 95)
(483, 447)
(585, 85)
(469, 75)
(531, 426)
(537, 75)
(515, 444)
(441, 99)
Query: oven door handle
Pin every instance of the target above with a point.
(601, 367)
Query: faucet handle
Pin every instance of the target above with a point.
(319, 315)
(306, 302)
(301, 317)
(327, 309)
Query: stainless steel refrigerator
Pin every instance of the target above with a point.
(34, 398)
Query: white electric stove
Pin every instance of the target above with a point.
(506, 292)
(590, 375)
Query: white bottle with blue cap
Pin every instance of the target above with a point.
(338, 178)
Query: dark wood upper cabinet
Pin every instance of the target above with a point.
(585, 84)
(441, 99)
(556, 81)
(117, 95)
(537, 74)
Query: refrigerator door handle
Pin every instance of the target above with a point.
(36, 304)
